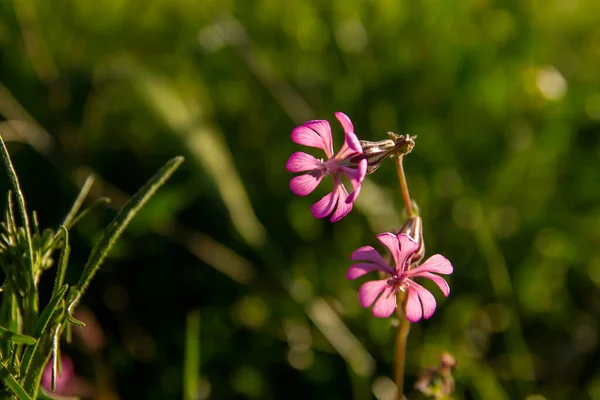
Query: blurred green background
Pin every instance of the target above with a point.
(504, 97)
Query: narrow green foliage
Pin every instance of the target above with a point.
(14, 337)
(191, 366)
(41, 328)
(11, 225)
(62, 263)
(118, 225)
(85, 190)
(55, 356)
(95, 204)
(28, 340)
(14, 181)
(11, 383)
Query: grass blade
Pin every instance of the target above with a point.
(41, 327)
(85, 190)
(31, 313)
(6, 334)
(12, 383)
(102, 200)
(191, 366)
(118, 225)
(62, 263)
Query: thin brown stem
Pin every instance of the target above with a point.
(401, 335)
(404, 186)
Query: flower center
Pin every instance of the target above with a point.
(399, 283)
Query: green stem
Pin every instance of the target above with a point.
(404, 186)
(401, 336)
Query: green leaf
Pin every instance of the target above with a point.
(11, 225)
(62, 263)
(85, 189)
(16, 187)
(118, 225)
(15, 337)
(12, 383)
(41, 328)
(30, 313)
(55, 355)
(191, 366)
(100, 201)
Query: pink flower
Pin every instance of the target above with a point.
(318, 134)
(420, 302)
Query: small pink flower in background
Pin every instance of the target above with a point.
(317, 133)
(64, 375)
(383, 293)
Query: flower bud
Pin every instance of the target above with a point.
(376, 152)
(414, 228)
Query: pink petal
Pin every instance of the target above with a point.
(315, 133)
(355, 176)
(390, 241)
(438, 280)
(300, 162)
(360, 269)
(325, 206)
(304, 184)
(352, 196)
(350, 147)
(427, 299)
(407, 247)
(343, 207)
(413, 309)
(369, 291)
(436, 263)
(353, 143)
(367, 253)
(345, 122)
(386, 304)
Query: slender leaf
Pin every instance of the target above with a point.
(191, 366)
(41, 327)
(62, 263)
(55, 356)
(16, 187)
(15, 337)
(118, 225)
(36, 224)
(11, 224)
(101, 200)
(30, 301)
(12, 383)
(85, 189)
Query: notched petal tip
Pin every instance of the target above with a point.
(345, 121)
(315, 133)
(390, 241)
(363, 253)
(352, 196)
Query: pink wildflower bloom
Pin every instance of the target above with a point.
(318, 134)
(383, 293)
